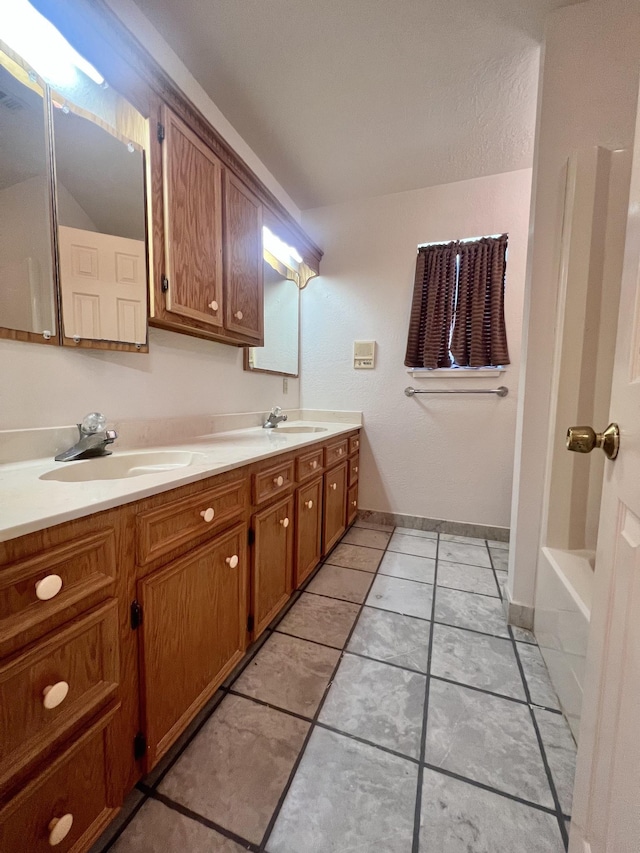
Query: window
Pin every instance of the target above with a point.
(457, 313)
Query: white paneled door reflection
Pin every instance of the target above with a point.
(104, 287)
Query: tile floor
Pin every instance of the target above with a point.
(390, 709)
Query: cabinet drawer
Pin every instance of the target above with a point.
(74, 784)
(80, 664)
(188, 520)
(309, 465)
(335, 452)
(354, 443)
(352, 504)
(354, 467)
(272, 481)
(42, 591)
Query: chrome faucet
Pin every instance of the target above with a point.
(274, 418)
(93, 440)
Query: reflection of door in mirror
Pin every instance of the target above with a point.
(281, 320)
(100, 193)
(27, 295)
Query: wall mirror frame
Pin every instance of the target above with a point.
(74, 264)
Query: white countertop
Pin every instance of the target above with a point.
(30, 499)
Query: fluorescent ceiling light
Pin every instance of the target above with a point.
(31, 35)
(285, 254)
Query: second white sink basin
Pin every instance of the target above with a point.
(298, 429)
(122, 466)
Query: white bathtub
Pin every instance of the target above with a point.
(563, 610)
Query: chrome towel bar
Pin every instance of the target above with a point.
(502, 391)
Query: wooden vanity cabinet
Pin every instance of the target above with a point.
(308, 529)
(193, 633)
(335, 495)
(272, 569)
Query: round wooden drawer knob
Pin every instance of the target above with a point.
(48, 587)
(284, 522)
(355, 469)
(341, 451)
(55, 694)
(59, 828)
(238, 315)
(356, 444)
(213, 305)
(313, 464)
(308, 504)
(334, 486)
(208, 514)
(233, 561)
(278, 481)
(354, 503)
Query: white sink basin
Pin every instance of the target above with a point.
(298, 429)
(122, 466)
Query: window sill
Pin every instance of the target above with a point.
(458, 372)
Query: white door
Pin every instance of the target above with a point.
(606, 809)
(104, 286)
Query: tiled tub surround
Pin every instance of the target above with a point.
(390, 708)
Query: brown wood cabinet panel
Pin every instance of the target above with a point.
(354, 468)
(193, 633)
(309, 465)
(354, 443)
(308, 529)
(335, 495)
(75, 784)
(273, 481)
(243, 264)
(335, 452)
(185, 521)
(192, 183)
(352, 504)
(272, 562)
(86, 568)
(84, 655)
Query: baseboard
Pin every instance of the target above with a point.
(437, 525)
(520, 615)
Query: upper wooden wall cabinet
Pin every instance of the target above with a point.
(206, 205)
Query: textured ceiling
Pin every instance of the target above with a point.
(345, 99)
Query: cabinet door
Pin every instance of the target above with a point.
(352, 503)
(192, 184)
(272, 562)
(193, 633)
(335, 496)
(308, 529)
(243, 260)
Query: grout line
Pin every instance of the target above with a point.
(543, 753)
(305, 743)
(351, 568)
(360, 545)
(306, 639)
(493, 569)
(204, 821)
(134, 811)
(480, 690)
(425, 714)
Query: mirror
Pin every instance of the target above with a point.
(28, 305)
(281, 321)
(99, 142)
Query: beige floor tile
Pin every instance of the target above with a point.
(234, 771)
(368, 538)
(338, 582)
(159, 829)
(289, 673)
(355, 557)
(324, 620)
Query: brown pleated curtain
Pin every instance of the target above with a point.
(458, 305)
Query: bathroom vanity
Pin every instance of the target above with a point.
(118, 625)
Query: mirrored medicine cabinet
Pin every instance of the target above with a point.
(73, 245)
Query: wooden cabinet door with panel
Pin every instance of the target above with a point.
(308, 529)
(335, 496)
(272, 562)
(192, 189)
(193, 633)
(243, 265)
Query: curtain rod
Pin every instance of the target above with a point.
(465, 240)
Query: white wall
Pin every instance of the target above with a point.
(45, 386)
(589, 87)
(435, 457)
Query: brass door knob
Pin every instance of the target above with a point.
(582, 439)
